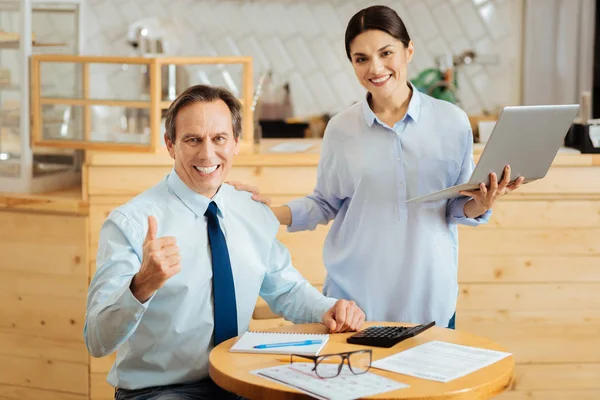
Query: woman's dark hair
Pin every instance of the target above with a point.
(381, 18)
(204, 94)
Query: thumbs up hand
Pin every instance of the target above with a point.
(160, 261)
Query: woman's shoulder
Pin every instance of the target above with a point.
(346, 117)
(443, 109)
(347, 122)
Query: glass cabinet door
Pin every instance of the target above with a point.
(119, 103)
(28, 28)
(10, 90)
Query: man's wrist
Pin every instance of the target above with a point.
(139, 290)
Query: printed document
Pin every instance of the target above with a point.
(439, 361)
(345, 386)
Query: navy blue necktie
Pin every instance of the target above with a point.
(223, 287)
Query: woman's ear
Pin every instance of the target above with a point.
(410, 50)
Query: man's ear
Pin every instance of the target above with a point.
(170, 146)
(236, 146)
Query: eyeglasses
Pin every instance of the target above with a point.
(330, 365)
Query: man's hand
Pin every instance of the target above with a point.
(484, 198)
(344, 316)
(160, 261)
(256, 196)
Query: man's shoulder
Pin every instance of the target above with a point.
(143, 204)
(243, 206)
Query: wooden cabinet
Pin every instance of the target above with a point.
(83, 118)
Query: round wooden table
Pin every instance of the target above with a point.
(231, 371)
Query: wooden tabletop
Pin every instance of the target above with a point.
(232, 370)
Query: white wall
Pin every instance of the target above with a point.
(559, 50)
(302, 41)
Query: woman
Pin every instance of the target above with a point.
(397, 261)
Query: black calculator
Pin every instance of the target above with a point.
(387, 336)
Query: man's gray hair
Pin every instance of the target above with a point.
(204, 94)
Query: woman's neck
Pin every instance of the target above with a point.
(394, 106)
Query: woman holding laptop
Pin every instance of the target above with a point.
(397, 261)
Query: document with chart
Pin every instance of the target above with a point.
(345, 386)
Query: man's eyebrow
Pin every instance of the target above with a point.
(188, 135)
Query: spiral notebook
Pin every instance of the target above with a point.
(246, 343)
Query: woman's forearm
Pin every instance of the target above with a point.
(283, 214)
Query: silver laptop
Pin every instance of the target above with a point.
(525, 137)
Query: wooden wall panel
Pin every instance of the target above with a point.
(515, 213)
(99, 369)
(134, 180)
(528, 268)
(43, 289)
(41, 243)
(565, 180)
(537, 377)
(98, 214)
(51, 317)
(44, 284)
(555, 382)
(551, 395)
(306, 249)
(540, 242)
(540, 297)
(15, 343)
(545, 336)
(99, 388)
(121, 181)
(45, 374)
(12, 392)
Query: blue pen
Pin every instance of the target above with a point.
(284, 344)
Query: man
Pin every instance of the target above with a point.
(180, 266)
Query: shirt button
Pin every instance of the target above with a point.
(398, 159)
(401, 185)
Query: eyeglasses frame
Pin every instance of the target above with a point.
(345, 357)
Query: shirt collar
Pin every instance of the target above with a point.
(413, 110)
(196, 202)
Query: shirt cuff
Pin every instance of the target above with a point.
(299, 215)
(457, 213)
(128, 303)
(322, 308)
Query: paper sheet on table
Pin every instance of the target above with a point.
(439, 361)
(291, 147)
(345, 386)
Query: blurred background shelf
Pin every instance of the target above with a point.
(24, 168)
(15, 45)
